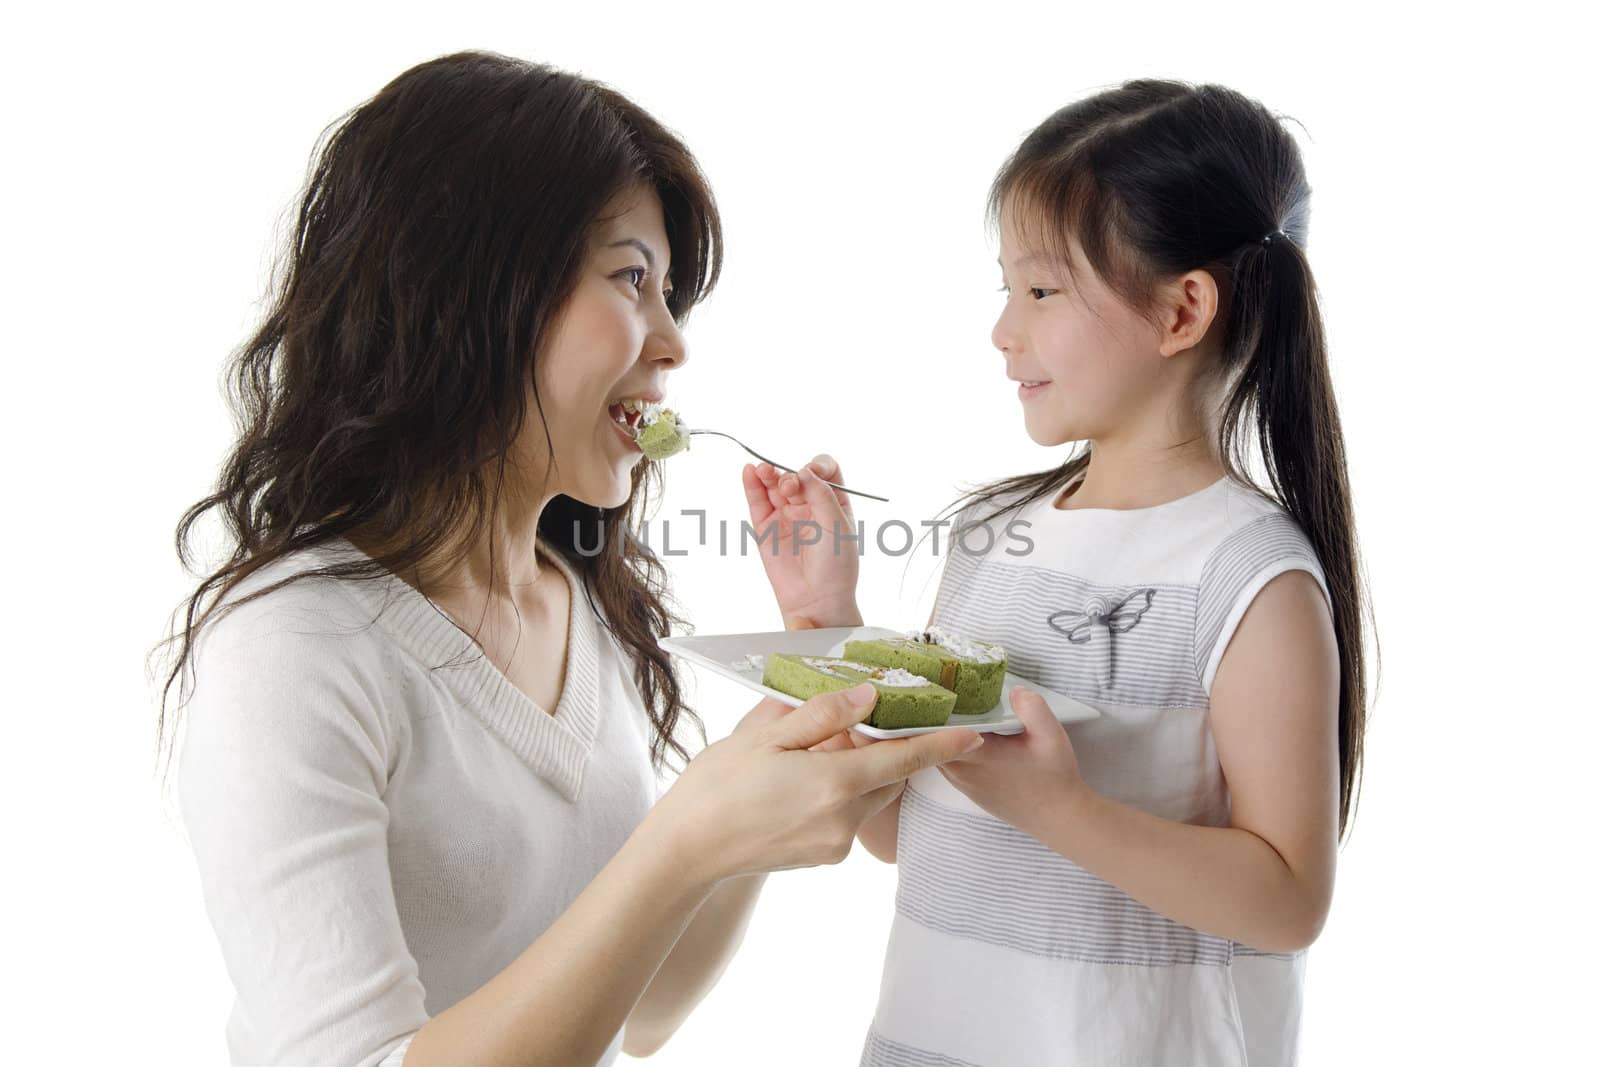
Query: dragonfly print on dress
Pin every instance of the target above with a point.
(1078, 625)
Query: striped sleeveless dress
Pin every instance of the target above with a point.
(1003, 953)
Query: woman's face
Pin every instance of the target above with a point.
(614, 340)
(1085, 362)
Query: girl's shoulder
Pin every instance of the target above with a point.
(1245, 514)
(1255, 540)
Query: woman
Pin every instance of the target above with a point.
(406, 857)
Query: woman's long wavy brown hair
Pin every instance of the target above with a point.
(1158, 178)
(440, 233)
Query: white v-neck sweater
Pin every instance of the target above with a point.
(381, 820)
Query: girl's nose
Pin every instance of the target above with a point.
(1002, 336)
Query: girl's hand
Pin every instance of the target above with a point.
(1027, 779)
(783, 791)
(801, 524)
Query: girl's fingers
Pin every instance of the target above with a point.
(1033, 712)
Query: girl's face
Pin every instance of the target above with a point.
(614, 340)
(1085, 362)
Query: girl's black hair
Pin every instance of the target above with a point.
(1158, 178)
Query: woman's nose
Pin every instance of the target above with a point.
(665, 344)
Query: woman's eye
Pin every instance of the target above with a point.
(1040, 294)
(1004, 289)
(638, 272)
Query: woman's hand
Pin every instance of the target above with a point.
(800, 526)
(783, 790)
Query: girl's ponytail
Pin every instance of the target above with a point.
(1157, 178)
(1277, 325)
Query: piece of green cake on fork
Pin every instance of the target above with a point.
(661, 432)
(904, 699)
(974, 670)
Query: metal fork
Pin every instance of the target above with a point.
(780, 466)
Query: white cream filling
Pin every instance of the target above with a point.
(977, 651)
(895, 677)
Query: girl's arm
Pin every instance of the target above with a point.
(880, 835)
(1266, 880)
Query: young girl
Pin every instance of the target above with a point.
(1140, 888)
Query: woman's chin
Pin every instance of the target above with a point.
(613, 492)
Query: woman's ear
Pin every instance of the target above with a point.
(1185, 310)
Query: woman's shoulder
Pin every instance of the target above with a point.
(290, 661)
(288, 596)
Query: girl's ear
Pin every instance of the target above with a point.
(1185, 310)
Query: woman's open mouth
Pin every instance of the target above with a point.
(628, 413)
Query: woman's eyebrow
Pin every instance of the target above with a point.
(644, 249)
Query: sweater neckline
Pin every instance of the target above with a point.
(557, 745)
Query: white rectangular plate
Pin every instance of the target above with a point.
(726, 655)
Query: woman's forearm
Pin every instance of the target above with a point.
(566, 996)
(1221, 880)
(694, 965)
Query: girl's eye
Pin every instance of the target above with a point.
(639, 280)
(1004, 289)
(1040, 294)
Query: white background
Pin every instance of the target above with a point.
(150, 154)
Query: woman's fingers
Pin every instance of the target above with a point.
(821, 717)
(827, 468)
(769, 710)
(755, 494)
(871, 803)
(897, 758)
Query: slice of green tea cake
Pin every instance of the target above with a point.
(975, 670)
(904, 699)
(661, 433)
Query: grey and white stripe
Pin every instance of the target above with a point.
(881, 1052)
(975, 877)
(1231, 566)
(1012, 604)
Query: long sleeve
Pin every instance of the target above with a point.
(281, 777)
